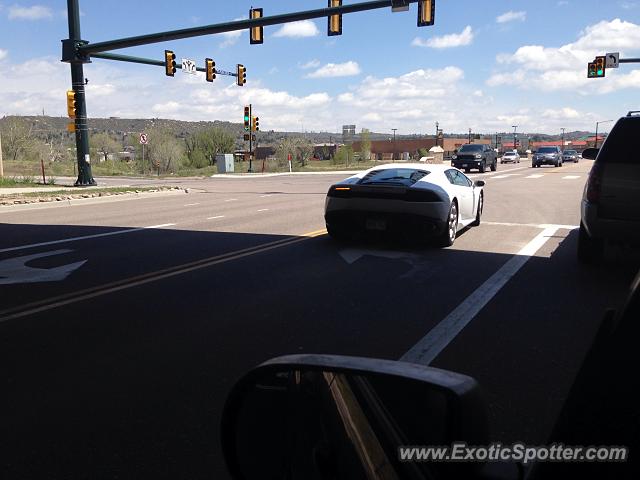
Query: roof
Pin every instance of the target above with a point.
(434, 167)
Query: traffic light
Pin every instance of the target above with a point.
(255, 125)
(591, 70)
(426, 12)
(334, 22)
(256, 33)
(169, 63)
(210, 66)
(71, 103)
(247, 118)
(600, 66)
(241, 73)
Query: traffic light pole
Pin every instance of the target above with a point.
(85, 178)
(250, 138)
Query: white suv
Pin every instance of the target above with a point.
(611, 200)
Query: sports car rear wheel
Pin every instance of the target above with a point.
(449, 235)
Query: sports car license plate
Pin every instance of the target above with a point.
(375, 224)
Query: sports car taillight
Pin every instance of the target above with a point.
(594, 183)
(339, 191)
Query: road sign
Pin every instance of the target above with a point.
(188, 66)
(144, 139)
(613, 60)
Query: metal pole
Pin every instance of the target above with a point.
(562, 138)
(515, 127)
(1, 164)
(437, 131)
(250, 138)
(393, 155)
(595, 143)
(469, 140)
(85, 178)
(143, 165)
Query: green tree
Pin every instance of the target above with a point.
(17, 137)
(304, 150)
(286, 147)
(104, 144)
(365, 144)
(344, 154)
(165, 150)
(203, 146)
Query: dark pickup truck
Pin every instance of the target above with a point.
(475, 156)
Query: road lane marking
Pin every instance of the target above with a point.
(535, 175)
(231, 199)
(191, 204)
(216, 217)
(15, 270)
(434, 342)
(112, 287)
(265, 196)
(534, 225)
(506, 175)
(263, 210)
(570, 177)
(85, 237)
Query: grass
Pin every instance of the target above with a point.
(80, 191)
(22, 181)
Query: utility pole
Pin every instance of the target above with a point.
(469, 140)
(1, 165)
(515, 145)
(85, 178)
(393, 155)
(595, 145)
(562, 138)
(437, 132)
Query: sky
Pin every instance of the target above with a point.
(484, 65)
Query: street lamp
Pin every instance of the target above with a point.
(469, 141)
(393, 155)
(562, 138)
(515, 127)
(595, 145)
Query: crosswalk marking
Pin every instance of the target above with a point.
(535, 175)
(571, 177)
(506, 175)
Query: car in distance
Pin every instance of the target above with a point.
(547, 156)
(610, 208)
(417, 200)
(510, 157)
(476, 156)
(570, 156)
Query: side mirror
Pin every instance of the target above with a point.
(326, 416)
(590, 153)
(479, 183)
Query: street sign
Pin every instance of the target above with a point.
(188, 66)
(143, 139)
(613, 60)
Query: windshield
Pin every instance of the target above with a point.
(471, 148)
(191, 188)
(570, 152)
(403, 176)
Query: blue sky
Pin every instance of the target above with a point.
(484, 65)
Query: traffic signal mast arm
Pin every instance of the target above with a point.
(150, 61)
(91, 49)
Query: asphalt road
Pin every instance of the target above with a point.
(117, 367)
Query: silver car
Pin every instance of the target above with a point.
(570, 156)
(510, 157)
(610, 208)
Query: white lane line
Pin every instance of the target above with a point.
(535, 175)
(534, 225)
(217, 216)
(263, 210)
(265, 196)
(231, 199)
(86, 237)
(430, 346)
(191, 204)
(507, 175)
(571, 177)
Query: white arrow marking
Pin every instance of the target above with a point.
(420, 266)
(15, 270)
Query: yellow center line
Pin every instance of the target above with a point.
(93, 292)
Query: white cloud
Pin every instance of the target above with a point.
(231, 38)
(303, 28)
(330, 70)
(447, 41)
(36, 12)
(565, 113)
(310, 64)
(512, 16)
(3, 54)
(563, 3)
(564, 67)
